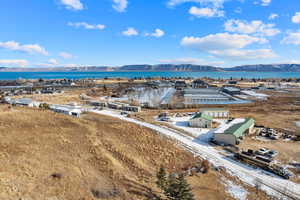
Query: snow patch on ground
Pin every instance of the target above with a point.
(236, 191)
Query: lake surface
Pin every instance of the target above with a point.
(80, 75)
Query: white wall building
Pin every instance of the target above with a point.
(216, 112)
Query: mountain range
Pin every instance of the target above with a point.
(163, 67)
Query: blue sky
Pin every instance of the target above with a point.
(48, 33)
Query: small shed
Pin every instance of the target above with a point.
(201, 120)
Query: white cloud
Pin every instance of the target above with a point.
(241, 54)
(296, 18)
(157, 33)
(28, 48)
(214, 3)
(66, 55)
(53, 61)
(130, 32)
(87, 26)
(228, 46)
(220, 41)
(273, 16)
(209, 8)
(292, 38)
(205, 12)
(265, 2)
(120, 5)
(253, 27)
(72, 4)
(14, 63)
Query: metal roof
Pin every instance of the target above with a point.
(239, 129)
(214, 110)
(232, 89)
(25, 101)
(203, 116)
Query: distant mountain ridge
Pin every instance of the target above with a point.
(267, 68)
(163, 67)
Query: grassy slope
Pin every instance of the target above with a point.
(92, 153)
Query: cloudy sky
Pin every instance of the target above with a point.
(46, 33)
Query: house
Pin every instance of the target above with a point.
(199, 84)
(201, 120)
(71, 110)
(232, 132)
(131, 108)
(117, 106)
(25, 102)
(97, 103)
(216, 112)
(232, 90)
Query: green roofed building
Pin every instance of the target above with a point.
(231, 133)
(201, 120)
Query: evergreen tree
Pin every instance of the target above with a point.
(161, 176)
(178, 189)
(185, 191)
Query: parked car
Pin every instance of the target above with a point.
(124, 113)
(262, 151)
(272, 153)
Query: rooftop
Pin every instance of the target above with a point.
(232, 89)
(203, 116)
(236, 127)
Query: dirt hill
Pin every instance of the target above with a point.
(49, 156)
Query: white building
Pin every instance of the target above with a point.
(204, 96)
(201, 120)
(24, 102)
(216, 112)
(67, 109)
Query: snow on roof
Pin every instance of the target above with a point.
(252, 93)
(66, 108)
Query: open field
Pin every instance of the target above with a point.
(45, 155)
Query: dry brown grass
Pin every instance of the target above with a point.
(45, 155)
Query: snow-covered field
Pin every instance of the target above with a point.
(271, 183)
(152, 97)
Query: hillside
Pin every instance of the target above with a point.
(267, 68)
(45, 155)
(162, 67)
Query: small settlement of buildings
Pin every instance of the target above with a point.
(231, 133)
(115, 105)
(201, 120)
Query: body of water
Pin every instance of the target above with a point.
(80, 75)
